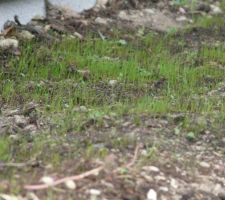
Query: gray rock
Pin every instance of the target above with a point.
(26, 35)
(12, 112)
(209, 187)
(8, 43)
(151, 18)
(204, 7)
(14, 137)
(4, 125)
(187, 193)
(223, 140)
(20, 120)
(221, 195)
(147, 177)
(31, 128)
(103, 21)
(78, 5)
(101, 4)
(215, 10)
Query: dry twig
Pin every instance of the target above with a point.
(132, 162)
(57, 182)
(80, 176)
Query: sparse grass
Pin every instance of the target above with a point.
(4, 149)
(52, 82)
(150, 79)
(209, 22)
(48, 76)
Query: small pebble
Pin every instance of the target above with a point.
(20, 120)
(8, 43)
(70, 185)
(151, 169)
(26, 35)
(215, 9)
(182, 10)
(94, 194)
(204, 165)
(151, 195)
(163, 189)
(47, 180)
(174, 183)
(113, 82)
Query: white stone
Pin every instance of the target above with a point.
(163, 189)
(47, 27)
(101, 3)
(204, 165)
(70, 184)
(151, 195)
(81, 109)
(26, 35)
(95, 194)
(218, 189)
(181, 19)
(160, 178)
(8, 43)
(113, 82)
(215, 9)
(182, 10)
(149, 11)
(151, 169)
(32, 196)
(9, 197)
(47, 180)
(78, 35)
(174, 183)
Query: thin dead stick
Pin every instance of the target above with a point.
(80, 176)
(16, 165)
(132, 162)
(57, 182)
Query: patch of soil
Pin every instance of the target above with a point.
(182, 169)
(198, 36)
(172, 166)
(21, 120)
